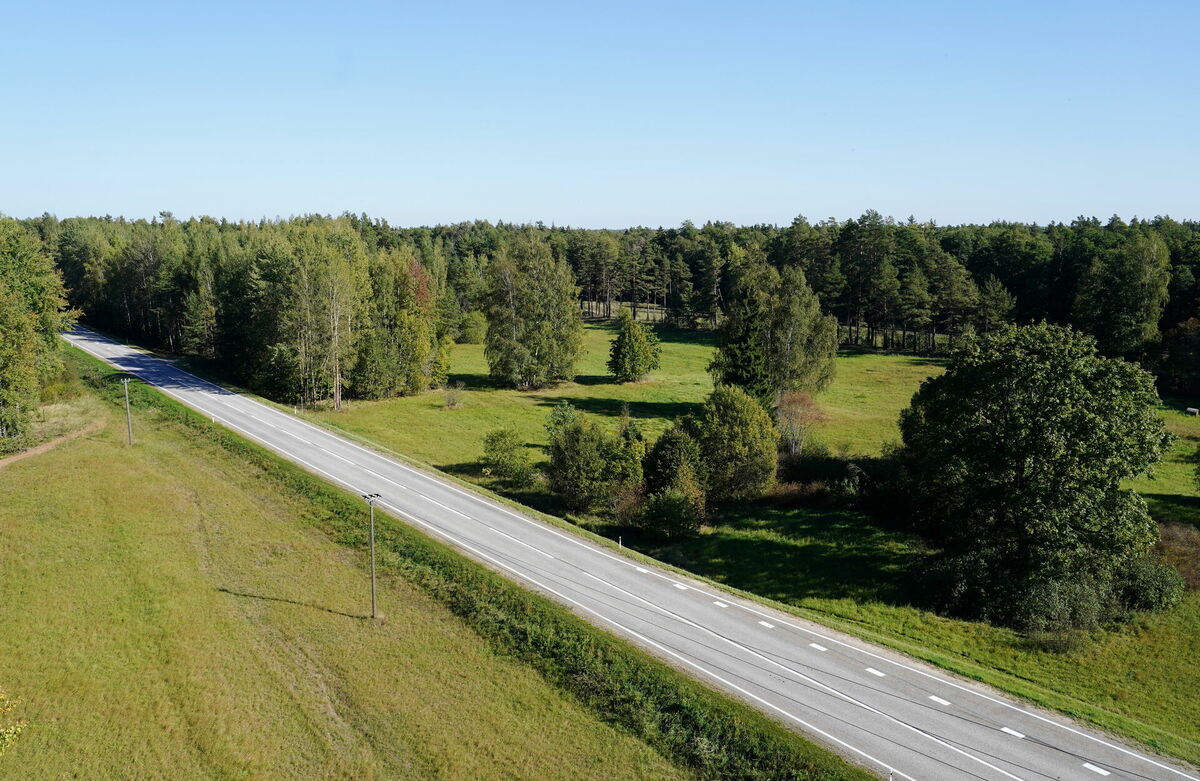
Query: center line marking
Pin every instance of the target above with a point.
(768, 626)
(719, 604)
(818, 647)
(1095, 769)
(1014, 733)
(940, 701)
(873, 671)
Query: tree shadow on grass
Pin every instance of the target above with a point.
(290, 602)
(793, 553)
(475, 381)
(613, 407)
(1174, 507)
(666, 333)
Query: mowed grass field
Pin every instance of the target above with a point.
(833, 565)
(166, 614)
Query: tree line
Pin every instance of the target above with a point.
(314, 307)
(33, 311)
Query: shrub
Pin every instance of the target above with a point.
(472, 328)
(1147, 583)
(588, 464)
(673, 450)
(738, 443)
(678, 509)
(796, 415)
(505, 456)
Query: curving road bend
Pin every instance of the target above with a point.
(898, 718)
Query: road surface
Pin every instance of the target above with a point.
(896, 717)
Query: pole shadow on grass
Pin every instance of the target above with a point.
(291, 602)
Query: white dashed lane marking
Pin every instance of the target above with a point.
(818, 647)
(680, 586)
(719, 604)
(875, 672)
(1094, 769)
(767, 625)
(1012, 732)
(939, 700)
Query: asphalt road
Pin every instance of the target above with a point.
(894, 716)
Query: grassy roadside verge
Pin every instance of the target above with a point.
(700, 730)
(168, 614)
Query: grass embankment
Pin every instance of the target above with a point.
(195, 606)
(165, 616)
(833, 565)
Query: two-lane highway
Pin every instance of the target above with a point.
(890, 714)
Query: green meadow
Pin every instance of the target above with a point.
(167, 613)
(836, 566)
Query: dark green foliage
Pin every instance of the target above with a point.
(1015, 459)
(505, 456)
(472, 328)
(995, 305)
(634, 352)
(776, 338)
(738, 444)
(1179, 368)
(675, 449)
(697, 728)
(18, 369)
(32, 313)
(677, 509)
(1123, 293)
(534, 332)
(1147, 583)
(589, 465)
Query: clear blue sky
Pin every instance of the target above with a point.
(605, 113)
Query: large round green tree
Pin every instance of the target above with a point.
(738, 444)
(1016, 457)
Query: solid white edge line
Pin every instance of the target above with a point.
(801, 676)
(539, 551)
(592, 547)
(642, 638)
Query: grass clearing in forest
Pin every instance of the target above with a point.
(834, 565)
(167, 614)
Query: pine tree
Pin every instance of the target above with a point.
(634, 352)
(775, 338)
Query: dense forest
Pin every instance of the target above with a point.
(308, 308)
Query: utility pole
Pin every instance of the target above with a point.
(371, 499)
(128, 416)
